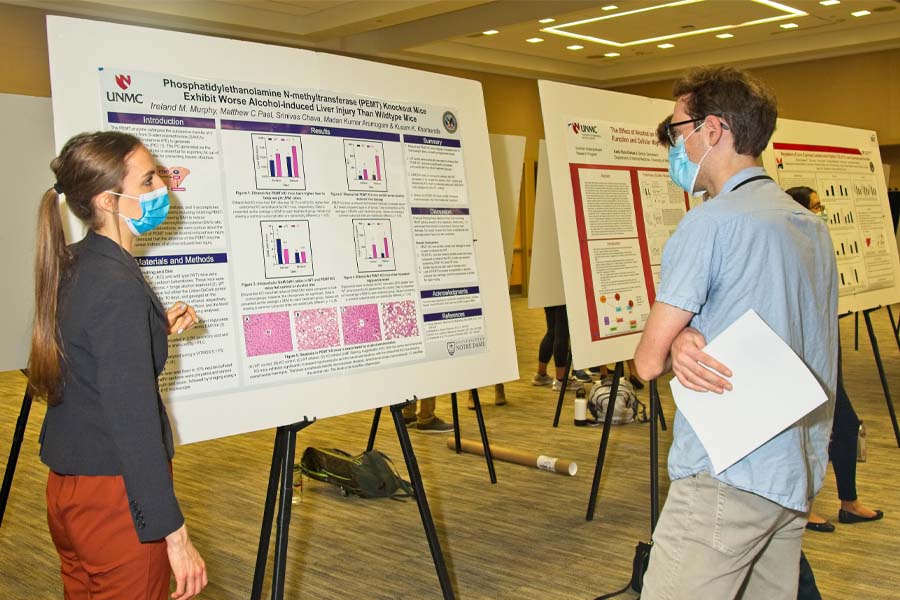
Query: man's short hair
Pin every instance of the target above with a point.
(743, 102)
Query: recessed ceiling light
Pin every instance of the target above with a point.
(666, 46)
(829, 2)
(547, 20)
(534, 40)
(789, 26)
(725, 36)
(574, 47)
(860, 13)
(490, 32)
(610, 7)
(612, 54)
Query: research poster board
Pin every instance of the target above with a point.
(844, 166)
(508, 158)
(545, 283)
(334, 221)
(26, 149)
(615, 207)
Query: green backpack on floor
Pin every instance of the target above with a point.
(367, 475)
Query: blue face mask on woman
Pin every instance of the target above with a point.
(681, 169)
(154, 209)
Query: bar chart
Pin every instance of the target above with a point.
(835, 189)
(278, 162)
(365, 166)
(374, 245)
(286, 249)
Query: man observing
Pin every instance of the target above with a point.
(748, 246)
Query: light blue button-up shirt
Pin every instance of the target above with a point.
(755, 247)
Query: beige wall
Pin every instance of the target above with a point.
(856, 91)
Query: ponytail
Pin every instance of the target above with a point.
(51, 261)
(87, 165)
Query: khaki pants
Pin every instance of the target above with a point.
(716, 541)
(426, 410)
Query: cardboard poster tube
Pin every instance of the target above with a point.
(519, 457)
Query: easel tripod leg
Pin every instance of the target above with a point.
(265, 533)
(18, 437)
(604, 439)
(284, 517)
(415, 478)
(484, 438)
(454, 405)
(562, 389)
(654, 455)
(881, 374)
(374, 430)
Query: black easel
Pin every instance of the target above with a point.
(881, 373)
(654, 455)
(281, 479)
(488, 457)
(18, 437)
(604, 438)
(282, 471)
(562, 389)
(654, 483)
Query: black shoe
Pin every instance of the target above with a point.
(845, 516)
(635, 382)
(409, 420)
(825, 527)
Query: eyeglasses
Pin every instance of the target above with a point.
(670, 128)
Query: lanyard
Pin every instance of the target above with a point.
(754, 178)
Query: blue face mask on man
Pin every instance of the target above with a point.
(681, 169)
(154, 209)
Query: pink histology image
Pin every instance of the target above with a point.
(317, 328)
(399, 319)
(360, 324)
(267, 333)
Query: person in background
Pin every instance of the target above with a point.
(99, 343)
(426, 421)
(845, 429)
(555, 344)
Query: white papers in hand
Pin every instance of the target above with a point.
(773, 389)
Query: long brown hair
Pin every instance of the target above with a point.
(89, 164)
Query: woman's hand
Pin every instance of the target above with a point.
(187, 565)
(182, 317)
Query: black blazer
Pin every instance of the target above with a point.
(111, 420)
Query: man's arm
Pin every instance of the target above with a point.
(652, 355)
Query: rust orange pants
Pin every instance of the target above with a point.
(100, 555)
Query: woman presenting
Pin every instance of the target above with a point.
(98, 345)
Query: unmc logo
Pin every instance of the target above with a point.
(124, 82)
(582, 128)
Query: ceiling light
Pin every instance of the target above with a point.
(575, 47)
(490, 32)
(547, 20)
(534, 40)
(610, 7)
(783, 13)
(860, 13)
(612, 54)
(829, 2)
(789, 26)
(725, 36)
(666, 46)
